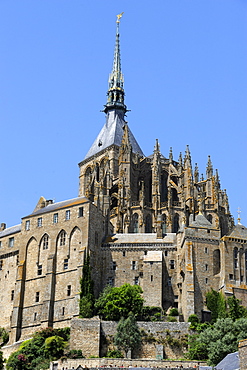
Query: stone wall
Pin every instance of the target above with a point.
(125, 363)
(95, 338)
(242, 351)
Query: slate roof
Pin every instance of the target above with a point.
(112, 133)
(230, 362)
(10, 230)
(239, 231)
(59, 205)
(200, 221)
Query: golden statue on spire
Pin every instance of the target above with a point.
(119, 16)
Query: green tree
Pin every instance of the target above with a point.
(54, 347)
(87, 294)
(216, 303)
(217, 341)
(235, 309)
(117, 302)
(128, 336)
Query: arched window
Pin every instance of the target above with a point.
(135, 223)
(175, 225)
(62, 238)
(97, 172)
(148, 224)
(45, 242)
(163, 224)
(216, 262)
(235, 258)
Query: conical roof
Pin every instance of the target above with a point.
(112, 133)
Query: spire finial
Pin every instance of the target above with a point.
(119, 16)
(116, 81)
(209, 169)
(239, 218)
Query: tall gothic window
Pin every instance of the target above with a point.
(135, 223)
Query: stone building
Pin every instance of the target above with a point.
(149, 220)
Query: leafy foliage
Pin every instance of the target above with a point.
(173, 312)
(87, 294)
(218, 340)
(117, 302)
(151, 313)
(37, 352)
(216, 303)
(221, 307)
(4, 336)
(1, 361)
(128, 335)
(114, 353)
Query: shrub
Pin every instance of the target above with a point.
(114, 353)
(173, 312)
(171, 319)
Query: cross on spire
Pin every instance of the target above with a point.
(239, 219)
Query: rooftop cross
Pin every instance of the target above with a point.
(239, 219)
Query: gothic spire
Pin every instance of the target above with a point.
(209, 169)
(116, 81)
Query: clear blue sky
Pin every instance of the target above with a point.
(185, 69)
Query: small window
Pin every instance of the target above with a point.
(37, 297)
(80, 212)
(133, 265)
(206, 280)
(172, 264)
(145, 253)
(11, 242)
(169, 281)
(69, 290)
(166, 253)
(39, 270)
(66, 264)
(27, 225)
(1, 264)
(63, 311)
(141, 274)
(67, 215)
(39, 222)
(110, 281)
(241, 278)
(114, 265)
(55, 218)
(231, 276)
(123, 253)
(208, 231)
(206, 250)
(12, 295)
(206, 267)
(35, 316)
(151, 277)
(136, 281)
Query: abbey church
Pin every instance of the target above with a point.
(151, 221)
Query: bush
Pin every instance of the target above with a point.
(75, 353)
(114, 353)
(171, 319)
(173, 312)
(151, 313)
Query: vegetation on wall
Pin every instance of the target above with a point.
(86, 305)
(36, 353)
(1, 361)
(128, 336)
(213, 341)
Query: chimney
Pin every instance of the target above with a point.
(3, 226)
